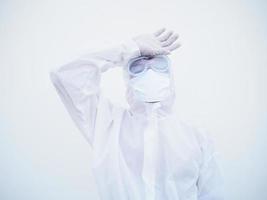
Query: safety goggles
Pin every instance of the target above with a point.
(140, 65)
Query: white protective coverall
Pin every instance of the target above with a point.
(140, 153)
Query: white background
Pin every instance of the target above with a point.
(220, 74)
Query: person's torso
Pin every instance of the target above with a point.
(118, 168)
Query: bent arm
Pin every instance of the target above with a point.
(78, 85)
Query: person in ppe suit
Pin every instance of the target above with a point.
(143, 152)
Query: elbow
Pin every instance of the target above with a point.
(54, 75)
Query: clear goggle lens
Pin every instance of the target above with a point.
(141, 64)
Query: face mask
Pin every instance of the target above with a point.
(151, 86)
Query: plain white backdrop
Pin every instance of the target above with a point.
(220, 77)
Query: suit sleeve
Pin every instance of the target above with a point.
(210, 182)
(78, 85)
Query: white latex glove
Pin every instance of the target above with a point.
(158, 43)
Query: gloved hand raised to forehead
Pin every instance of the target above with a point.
(162, 42)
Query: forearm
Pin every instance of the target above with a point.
(78, 82)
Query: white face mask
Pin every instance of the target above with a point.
(151, 86)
